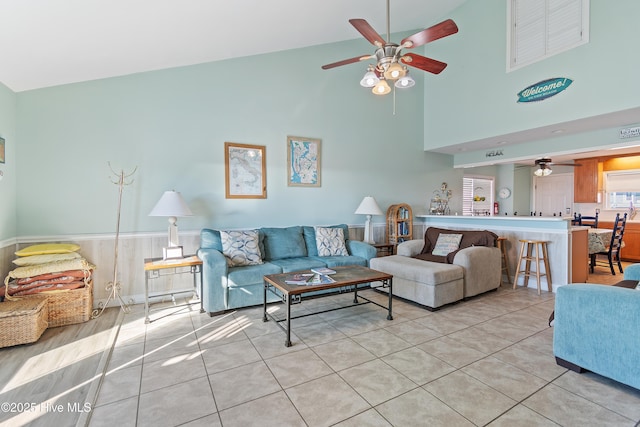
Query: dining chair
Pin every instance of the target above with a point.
(590, 221)
(577, 219)
(613, 252)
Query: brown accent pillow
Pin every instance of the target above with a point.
(469, 238)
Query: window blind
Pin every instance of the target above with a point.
(539, 29)
(623, 182)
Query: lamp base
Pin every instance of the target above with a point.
(368, 231)
(172, 252)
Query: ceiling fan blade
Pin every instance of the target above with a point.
(438, 31)
(367, 31)
(423, 63)
(346, 61)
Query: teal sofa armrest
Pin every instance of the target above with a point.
(596, 328)
(214, 280)
(361, 249)
(632, 272)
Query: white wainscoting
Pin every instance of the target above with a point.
(133, 248)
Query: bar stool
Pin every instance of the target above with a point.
(505, 261)
(539, 245)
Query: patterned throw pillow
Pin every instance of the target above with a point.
(241, 247)
(446, 244)
(330, 242)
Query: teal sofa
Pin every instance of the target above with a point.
(283, 250)
(597, 328)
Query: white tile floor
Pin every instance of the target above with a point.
(486, 361)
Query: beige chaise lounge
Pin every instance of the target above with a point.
(433, 280)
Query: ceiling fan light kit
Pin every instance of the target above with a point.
(390, 59)
(544, 168)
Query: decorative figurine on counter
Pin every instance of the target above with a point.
(440, 201)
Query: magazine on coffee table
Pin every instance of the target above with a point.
(308, 279)
(323, 270)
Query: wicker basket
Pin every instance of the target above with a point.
(68, 307)
(22, 321)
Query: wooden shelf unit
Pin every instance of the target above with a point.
(399, 223)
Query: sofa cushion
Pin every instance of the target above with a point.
(281, 243)
(241, 247)
(338, 261)
(210, 239)
(330, 242)
(250, 274)
(298, 264)
(310, 237)
(430, 273)
(48, 248)
(446, 244)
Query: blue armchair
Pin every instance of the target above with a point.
(597, 328)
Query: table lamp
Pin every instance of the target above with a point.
(368, 207)
(171, 205)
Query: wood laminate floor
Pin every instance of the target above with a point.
(54, 382)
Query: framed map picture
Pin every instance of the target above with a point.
(303, 158)
(245, 171)
(1, 150)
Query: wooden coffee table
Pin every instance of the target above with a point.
(345, 277)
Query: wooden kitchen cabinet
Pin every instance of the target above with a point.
(580, 255)
(585, 181)
(631, 240)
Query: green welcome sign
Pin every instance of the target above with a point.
(544, 89)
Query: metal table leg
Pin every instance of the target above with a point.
(390, 316)
(287, 343)
(264, 301)
(146, 297)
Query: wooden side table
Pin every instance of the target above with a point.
(384, 249)
(156, 267)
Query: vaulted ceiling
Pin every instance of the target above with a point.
(47, 43)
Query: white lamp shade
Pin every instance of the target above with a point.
(368, 206)
(171, 204)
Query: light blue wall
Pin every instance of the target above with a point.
(8, 181)
(172, 125)
(476, 98)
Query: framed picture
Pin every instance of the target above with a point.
(303, 158)
(1, 150)
(245, 171)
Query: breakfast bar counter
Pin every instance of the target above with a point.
(555, 230)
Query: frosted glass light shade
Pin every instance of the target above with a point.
(381, 88)
(369, 80)
(405, 82)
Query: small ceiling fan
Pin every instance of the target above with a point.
(390, 58)
(544, 168)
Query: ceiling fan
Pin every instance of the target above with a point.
(544, 168)
(390, 58)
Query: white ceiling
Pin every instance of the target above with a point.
(47, 43)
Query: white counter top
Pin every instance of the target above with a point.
(499, 217)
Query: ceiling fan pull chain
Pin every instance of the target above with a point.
(394, 100)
